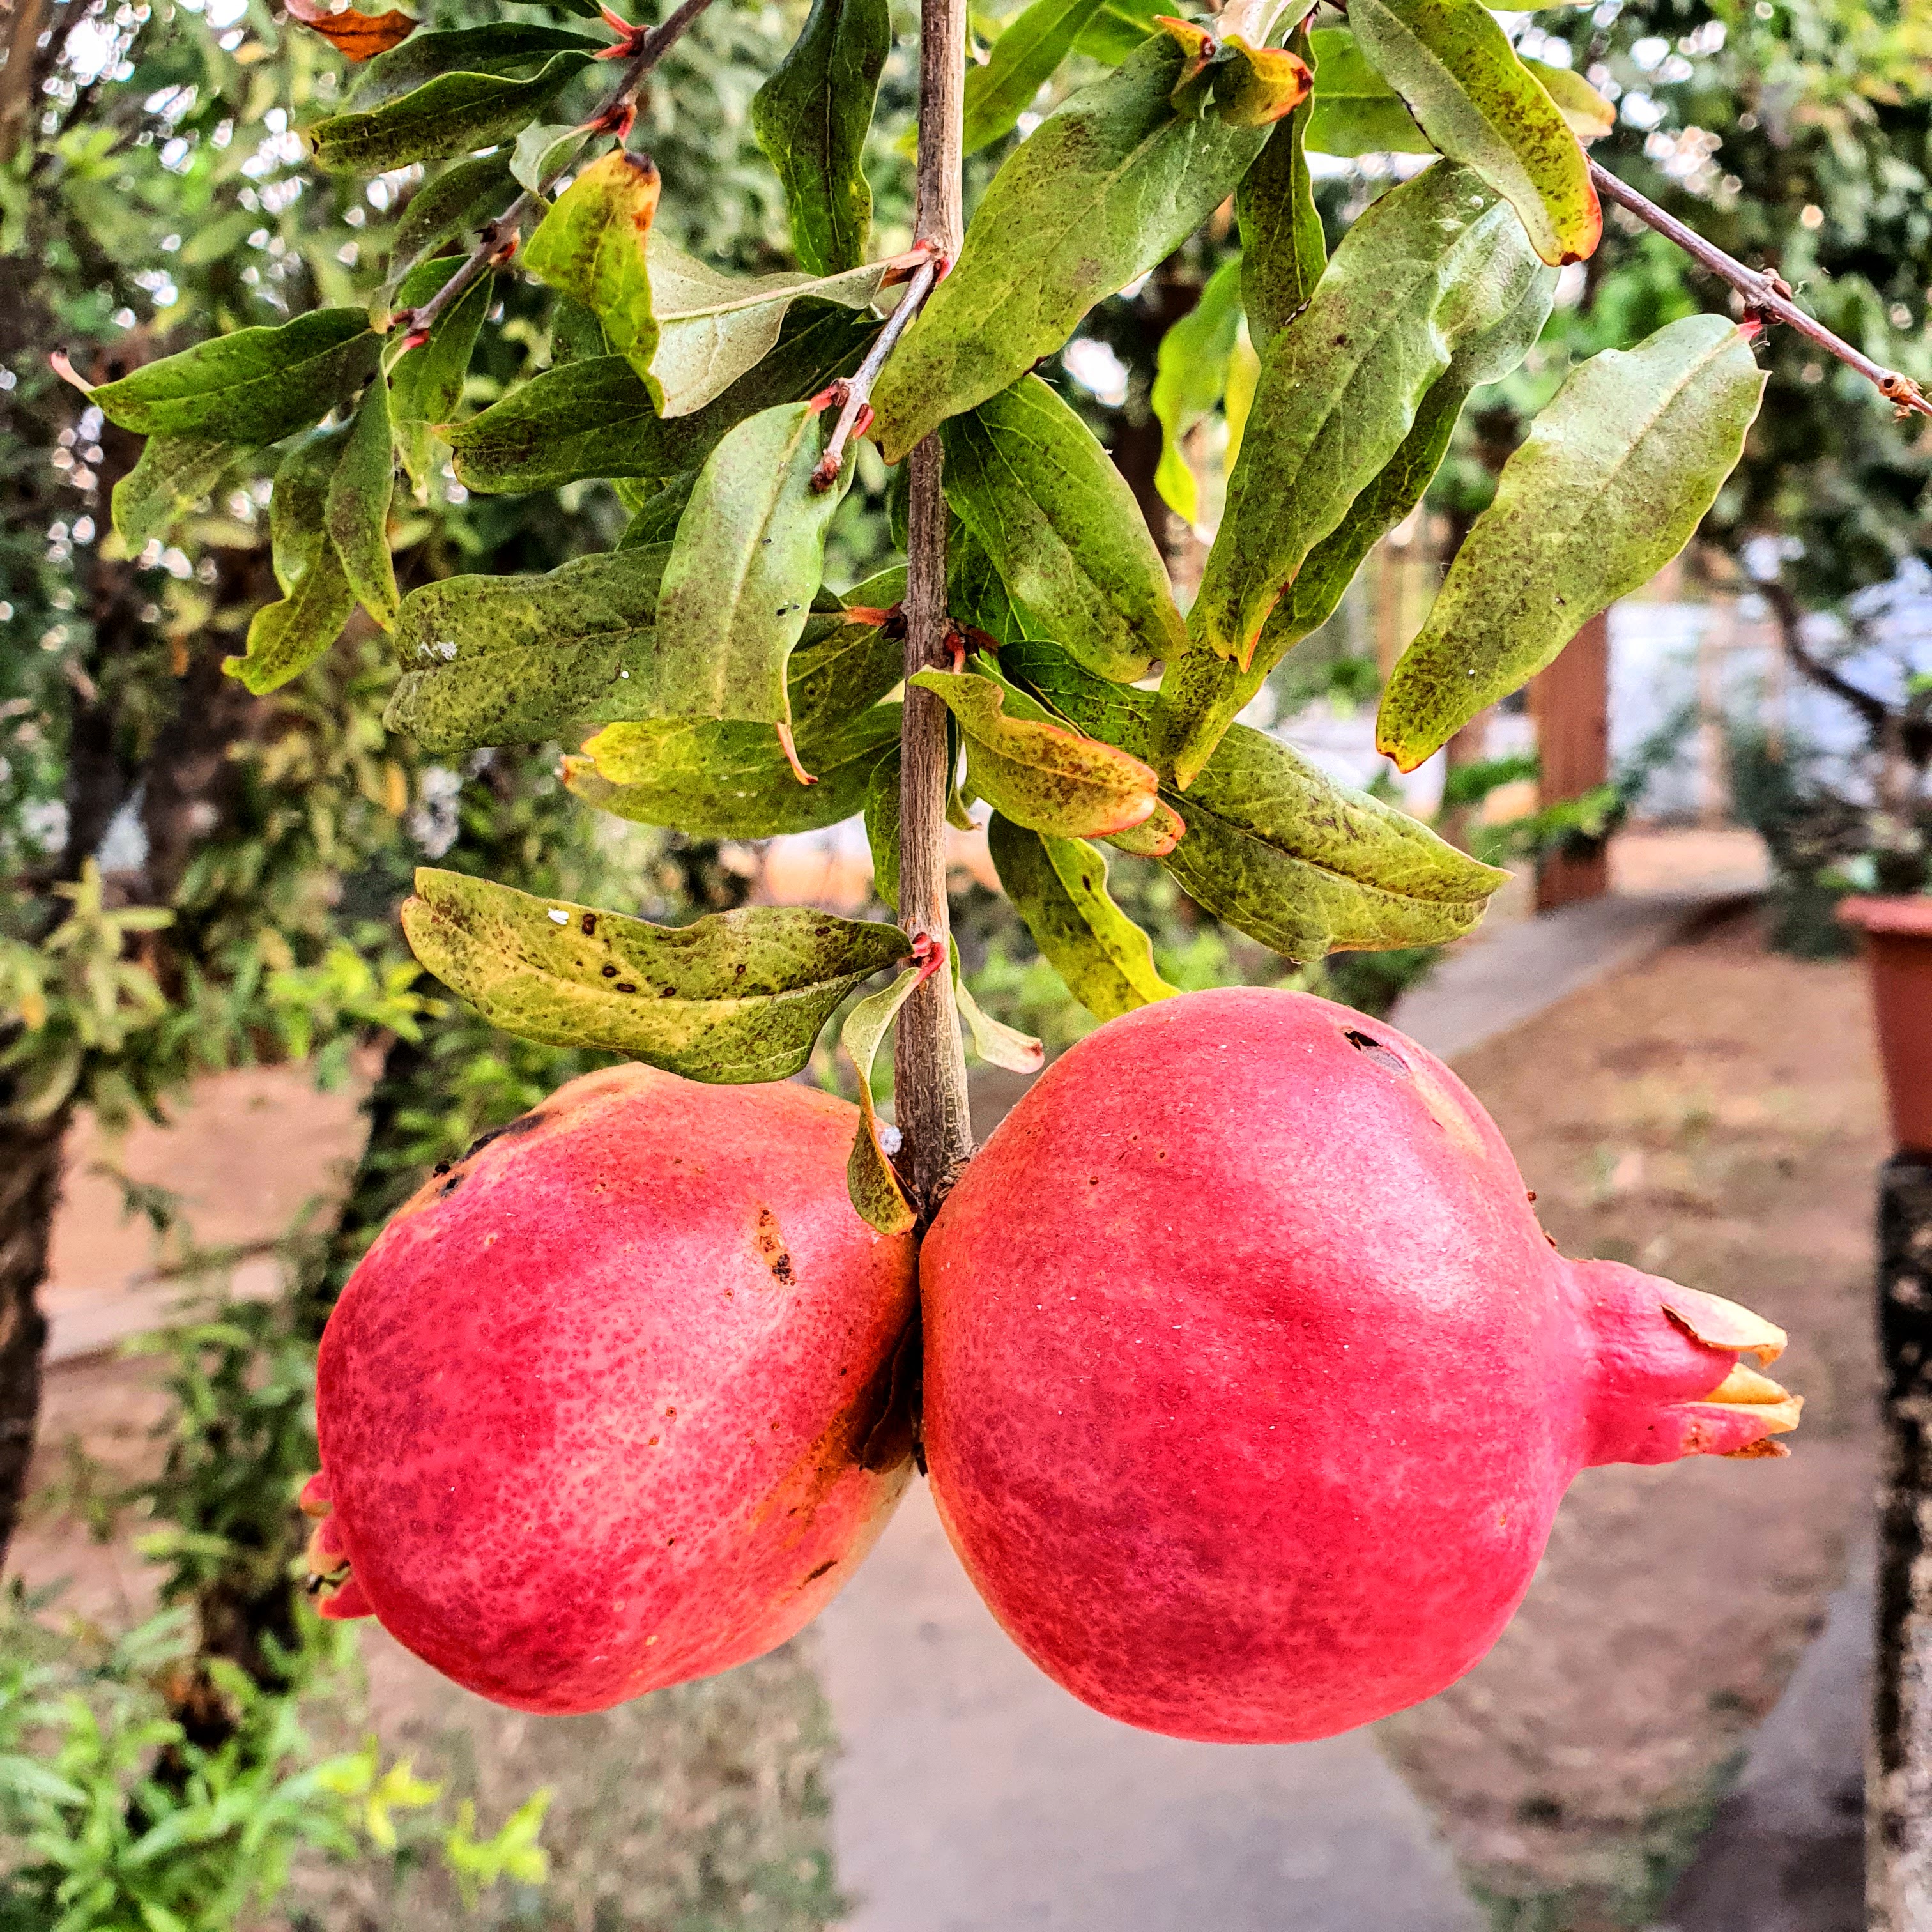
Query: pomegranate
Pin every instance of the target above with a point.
(1252, 1384)
(609, 1405)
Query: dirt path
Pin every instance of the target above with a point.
(1712, 1115)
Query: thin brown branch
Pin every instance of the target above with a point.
(855, 411)
(931, 1070)
(1765, 294)
(499, 239)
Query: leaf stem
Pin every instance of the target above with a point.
(858, 403)
(1764, 294)
(931, 1067)
(499, 239)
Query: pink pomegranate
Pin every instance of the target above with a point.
(1252, 1384)
(608, 1405)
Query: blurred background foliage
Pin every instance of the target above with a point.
(197, 878)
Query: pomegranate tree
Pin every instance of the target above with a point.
(1251, 1384)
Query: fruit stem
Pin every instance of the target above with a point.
(930, 1072)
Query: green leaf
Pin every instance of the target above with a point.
(882, 827)
(713, 328)
(515, 660)
(975, 594)
(1191, 376)
(461, 198)
(596, 419)
(1618, 470)
(1283, 251)
(735, 998)
(1339, 386)
(1453, 65)
(173, 474)
(1022, 62)
(591, 244)
(1057, 520)
(1591, 117)
(1105, 188)
(285, 638)
(253, 387)
(1279, 849)
(1202, 693)
(716, 779)
(748, 559)
(1038, 772)
(356, 510)
(657, 516)
(426, 382)
(454, 114)
(1276, 847)
(1117, 29)
(811, 118)
(998, 1044)
(1353, 110)
(545, 149)
(500, 48)
(870, 1178)
(1059, 887)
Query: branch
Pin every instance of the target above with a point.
(855, 409)
(1875, 713)
(931, 1083)
(641, 53)
(1765, 294)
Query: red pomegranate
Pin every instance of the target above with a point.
(608, 1405)
(1252, 1384)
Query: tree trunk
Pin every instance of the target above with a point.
(1898, 1810)
(30, 1180)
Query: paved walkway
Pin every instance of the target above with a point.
(974, 1795)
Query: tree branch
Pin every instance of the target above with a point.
(499, 239)
(930, 1066)
(855, 409)
(1765, 294)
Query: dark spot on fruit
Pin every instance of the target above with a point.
(440, 1168)
(610, 972)
(830, 1563)
(524, 1123)
(625, 986)
(449, 1187)
(1383, 1056)
(590, 922)
(769, 1243)
(1530, 1195)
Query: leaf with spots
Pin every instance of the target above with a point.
(811, 117)
(1340, 385)
(746, 562)
(356, 510)
(1030, 47)
(426, 382)
(1272, 844)
(597, 419)
(590, 247)
(1618, 471)
(1202, 693)
(173, 474)
(734, 997)
(1105, 189)
(1028, 764)
(252, 388)
(1059, 888)
(1452, 65)
(1044, 502)
(285, 637)
(1283, 250)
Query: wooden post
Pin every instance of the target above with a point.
(1570, 702)
(1898, 1781)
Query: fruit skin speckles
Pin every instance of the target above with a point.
(1319, 1498)
(651, 1259)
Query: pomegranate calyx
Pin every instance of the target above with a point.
(1719, 1324)
(1769, 1406)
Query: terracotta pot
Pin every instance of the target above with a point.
(1898, 948)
